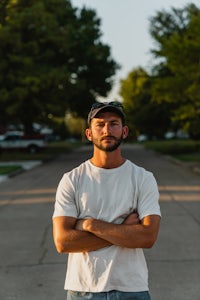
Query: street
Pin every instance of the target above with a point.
(30, 267)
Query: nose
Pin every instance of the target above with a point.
(107, 129)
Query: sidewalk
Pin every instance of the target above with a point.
(25, 165)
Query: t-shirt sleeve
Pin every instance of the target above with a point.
(65, 204)
(148, 198)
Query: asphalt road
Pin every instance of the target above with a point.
(30, 267)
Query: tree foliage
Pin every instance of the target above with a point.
(168, 96)
(178, 48)
(52, 60)
(143, 114)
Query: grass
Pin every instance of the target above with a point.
(5, 170)
(194, 157)
(184, 150)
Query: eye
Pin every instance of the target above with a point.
(99, 124)
(114, 123)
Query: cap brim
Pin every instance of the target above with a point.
(112, 108)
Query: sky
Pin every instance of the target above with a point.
(125, 28)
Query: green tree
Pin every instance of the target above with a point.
(52, 60)
(3, 11)
(176, 34)
(143, 114)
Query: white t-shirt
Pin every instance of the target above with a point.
(110, 195)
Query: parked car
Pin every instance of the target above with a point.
(20, 141)
(176, 135)
(142, 138)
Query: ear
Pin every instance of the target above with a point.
(88, 134)
(125, 132)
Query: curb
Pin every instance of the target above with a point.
(11, 174)
(25, 166)
(194, 167)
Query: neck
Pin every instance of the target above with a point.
(107, 160)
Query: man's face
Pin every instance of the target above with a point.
(106, 131)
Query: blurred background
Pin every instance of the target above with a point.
(58, 57)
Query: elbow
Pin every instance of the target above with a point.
(149, 243)
(61, 247)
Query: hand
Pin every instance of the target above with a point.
(132, 219)
(79, 225)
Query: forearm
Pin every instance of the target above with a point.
(83, 242)
(72, 235)
(123, 235)
(78, 241)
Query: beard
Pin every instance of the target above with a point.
(107, 148)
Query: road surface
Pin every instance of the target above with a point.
(31, 269)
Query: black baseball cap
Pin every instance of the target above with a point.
(114, 106)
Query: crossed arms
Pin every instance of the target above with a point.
(74, 235)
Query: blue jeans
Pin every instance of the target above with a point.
(111, 295)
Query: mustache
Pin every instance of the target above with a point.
(109, 136)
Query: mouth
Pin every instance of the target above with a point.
(108, 141)
(108, 138)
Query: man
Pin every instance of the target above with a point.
(106, 211)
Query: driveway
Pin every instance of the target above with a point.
(30, 267)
